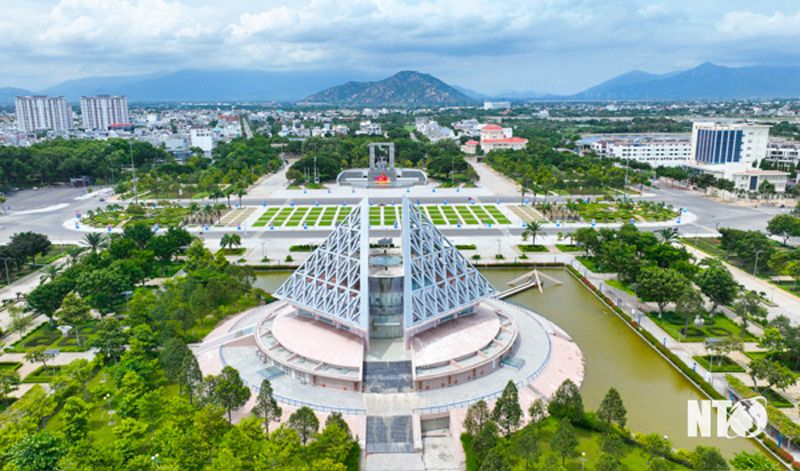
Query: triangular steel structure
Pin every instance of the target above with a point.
(439, 281)
(333, 282)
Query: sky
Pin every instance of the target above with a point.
(556, 46)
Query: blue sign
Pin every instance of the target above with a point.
(265, 204)
(593, 222)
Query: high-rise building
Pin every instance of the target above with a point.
(43, 112)
(102, 111)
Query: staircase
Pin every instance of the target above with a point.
(383, 377)
(390, 434)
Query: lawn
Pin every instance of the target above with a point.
(621, 285)
(593, 266)
(719, 326)
(569, 248)
(721, 364)
(498, 216)
(709, 246)
(775, 398)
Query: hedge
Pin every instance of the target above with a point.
(532, 248)
(465, 247)
(40, 375)
(671, 357)
(303, 248)
(785, 455)
(10, 365)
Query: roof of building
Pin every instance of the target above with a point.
(492, 127)
(761, 172)
(472, 142)
(510, 140)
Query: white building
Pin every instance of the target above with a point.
(493, 137)
(102, 111)
(658, 152)
(202, 137)
(368, 128)
(784, 153)
(733, 151)
(496, 105)
(43, 112)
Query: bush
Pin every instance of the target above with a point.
(42, 374)
(692, 332)
(303, 248)
(476, 257)
(796, 466)
(785, 455)
(499, 256)
(532, 248)
(10, 365)
(466, 247)
(289, 259)
(719, 331)
(39, 340)
(523, 257)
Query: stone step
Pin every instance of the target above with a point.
(390, 434)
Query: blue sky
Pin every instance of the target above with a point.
(486, 45)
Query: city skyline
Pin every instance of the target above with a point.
(555, 47)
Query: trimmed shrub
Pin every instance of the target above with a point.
(692, 332)
(719, 331)
(10, 365)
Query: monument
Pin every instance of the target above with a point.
(382, 173)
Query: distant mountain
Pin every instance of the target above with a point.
(73, 90)
(7, 94)
(471, 93)
(407, 88)
(706, 81)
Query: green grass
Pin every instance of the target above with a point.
(569, 248)
(46, 335)
(590, 263)
(709, 246)
(532, 248)
(621, 285)
(672, 324)
(722, 364)
(775, 398)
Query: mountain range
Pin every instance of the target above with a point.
(406, 88)
(704, 82)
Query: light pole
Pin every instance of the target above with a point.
(5, 260)
(583, 460)
(625, 186)
(133, 170)
(127, 299)
(263, 252)
(755, 265)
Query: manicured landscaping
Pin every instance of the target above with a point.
(569, 248)
(532, 248)
(237, 251)
(621, 285)
(42, 374)
(48, 336)
(719, 364)
(718, 326)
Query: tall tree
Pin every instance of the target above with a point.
(653, 445)
(784, 226)
(706, 458)
(661, 286)
(612, 410)
(537, 413)
(485, 440)
(30, 244)
(229, 391)
(172, 359)
(37, 452)
(532, 230)
(718, 284)
(567, 402)
(477, 415)
(76, 419)
(19, 321)
(528, 445)
(748, 306)
(74, 311)
(507, 412)
(111, 339)
(689, 305)
(304, 422)
(564, 442)
(9, 382)
(95, 241)
(266, 405)
(190, 377)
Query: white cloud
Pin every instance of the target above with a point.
(745, 23)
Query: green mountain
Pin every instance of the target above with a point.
(407, 88)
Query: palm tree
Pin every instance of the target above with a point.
(208, 211)
(668, 234)
(74, 251)
(94, 240)
(230, 240)
(217, 194)
(225, 241)
(240, 190)
(533, 229)
(50, 272)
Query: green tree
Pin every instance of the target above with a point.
(20, 322)
(172, 359)
(76, 419)
(653, 445)
(607, 463)
(190, 377)
(36, 354)
(494, 460)
(304, 422)
(228, 391)
(486, 439)
(37, 452)
(537, 413)
(336, 418)
(111, 339)
(132, 388)
(527, 445)
(46, 298)
(266, 405)
(668, 235)
(332, 443)
(775, 374)
(564, 442)
(477, 415)
(689, 305)
(661, 286)
(9, 382)
(30, 244)
(532, 230)
(718, 284)
(74, 311)
(567, 402)
(612, 410)
(507, 412)
(784, 226)
(755, 461)
(95, 241)
(706, 458)
(139, 232)
(747, 306)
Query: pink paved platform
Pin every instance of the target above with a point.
(455, 339)
(318, 341)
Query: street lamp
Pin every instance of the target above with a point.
(263, 252)
(583, 460)
(127, 299)
(5, 260)
(755, 265)
(133, 170)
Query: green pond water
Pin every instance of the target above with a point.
(654, 393)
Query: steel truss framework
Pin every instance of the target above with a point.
(333, 282)
(330, 281)
(438, 279)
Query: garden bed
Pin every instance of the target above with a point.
(721, 364)
(42, 374)
(775, 398)
(532, 248)
(237, 251)
(718, 326)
